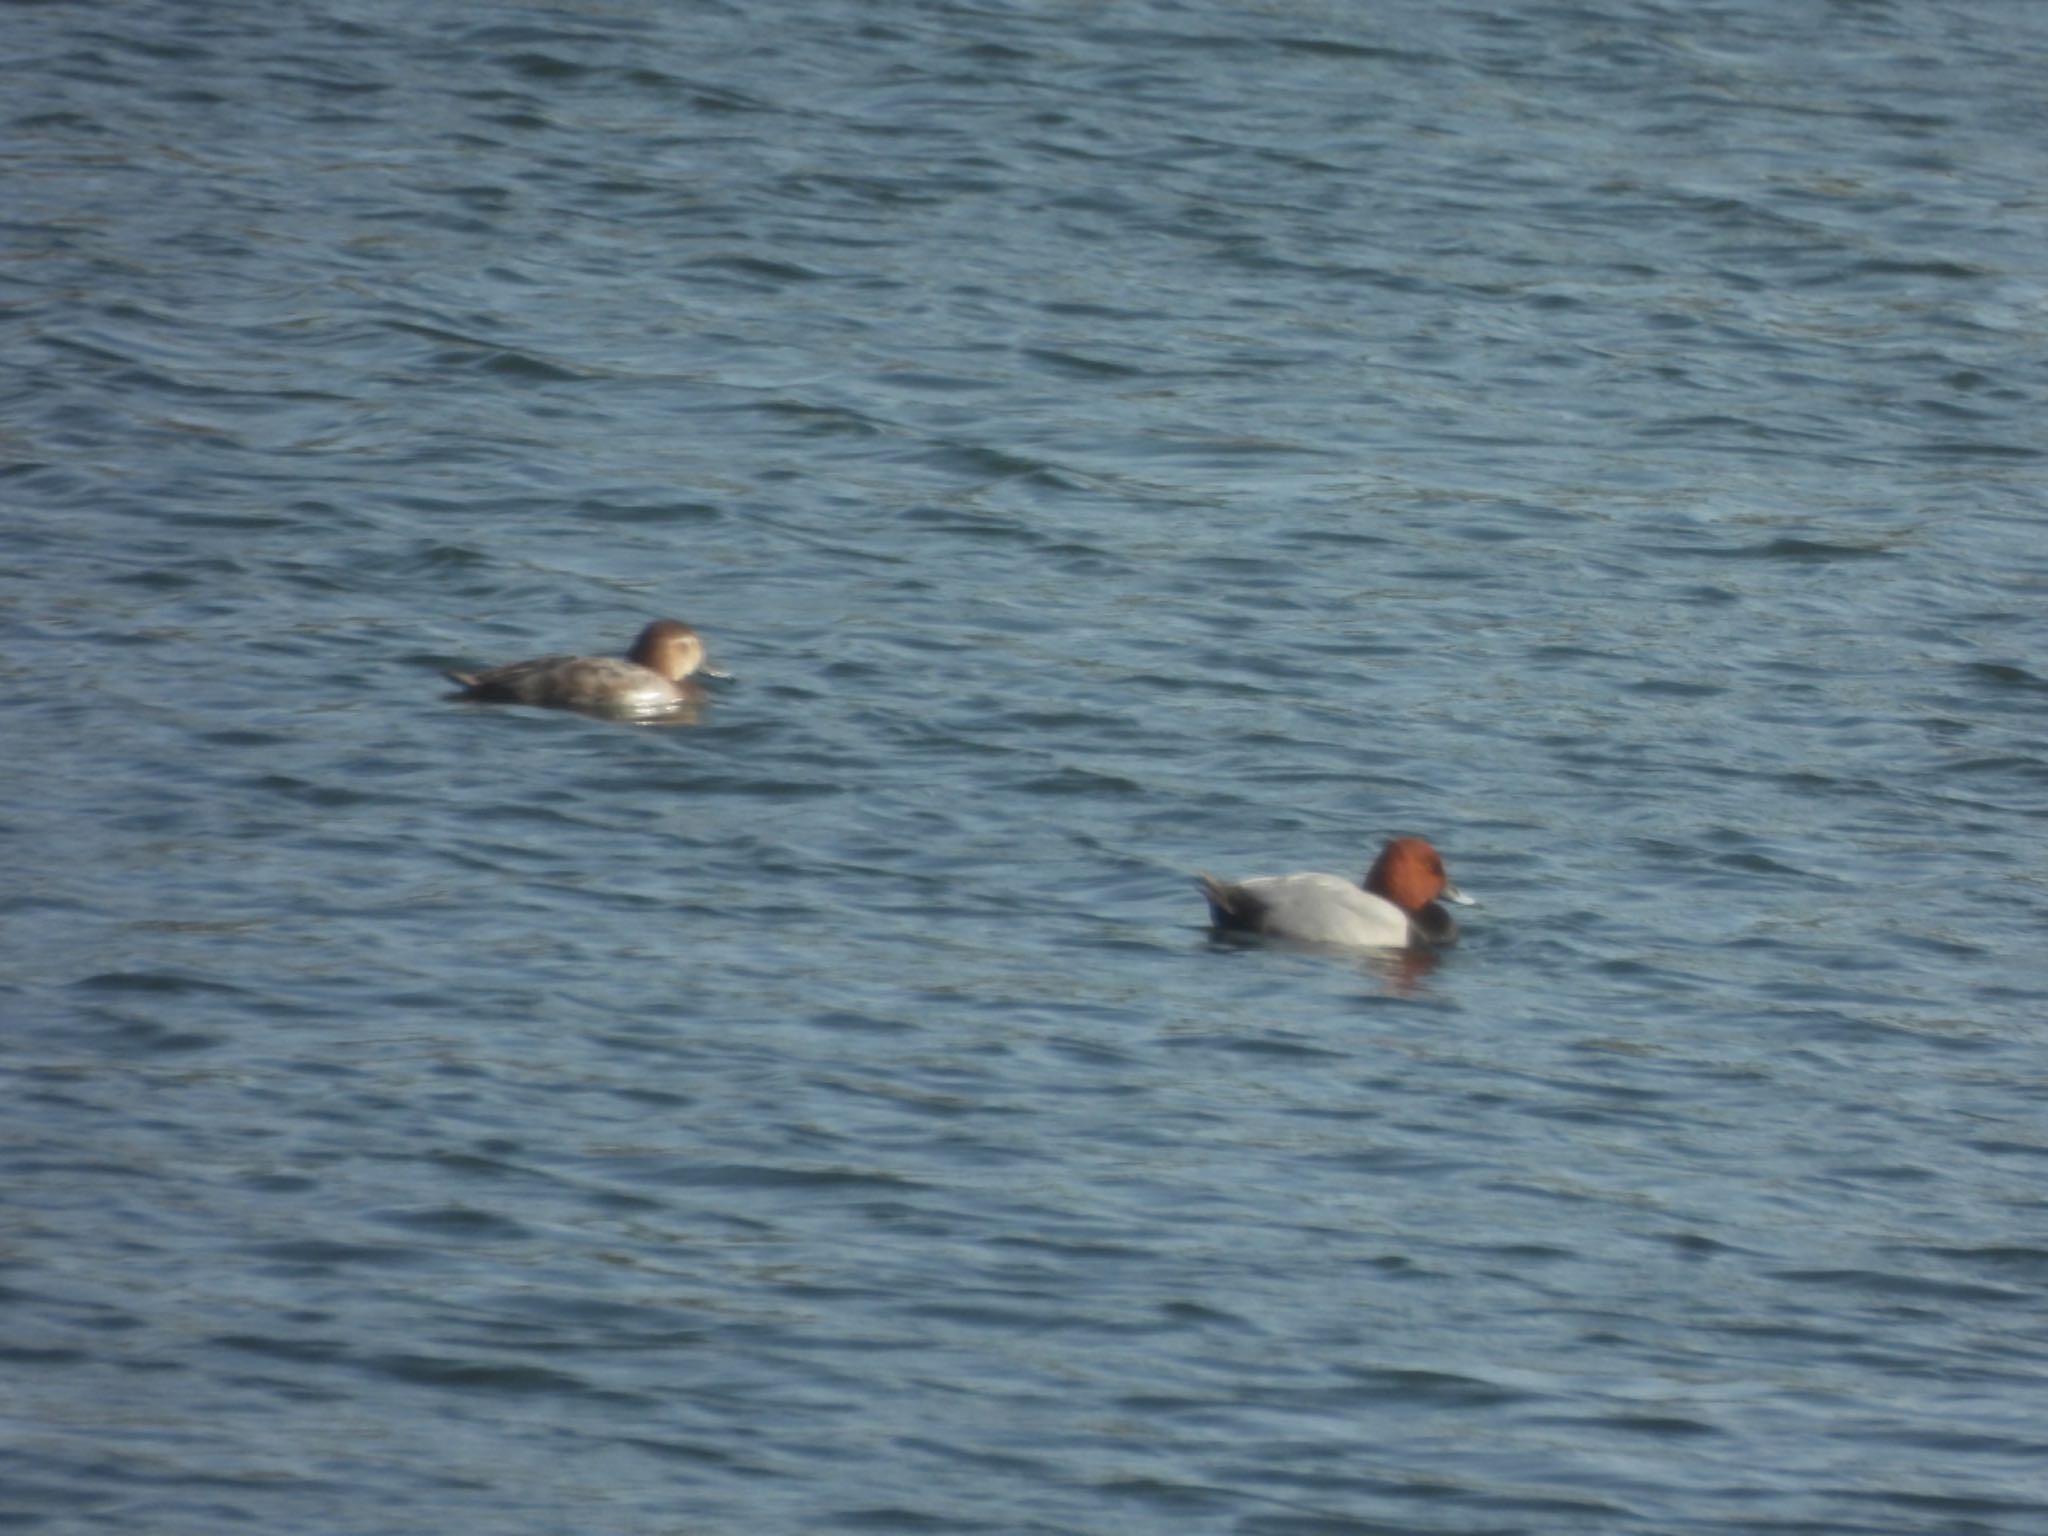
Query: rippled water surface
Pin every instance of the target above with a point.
(1107, 442)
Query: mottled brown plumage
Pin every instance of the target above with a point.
(652, 679)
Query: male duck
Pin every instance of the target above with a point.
(1395, 908)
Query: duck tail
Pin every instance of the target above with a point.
(1230, 906)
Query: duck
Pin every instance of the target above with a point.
(1396, 906)
(654, 678)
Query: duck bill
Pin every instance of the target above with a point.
(1452, 893)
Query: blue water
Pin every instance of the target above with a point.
(1107, 442)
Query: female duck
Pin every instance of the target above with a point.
(1396, 907)
(652, 679)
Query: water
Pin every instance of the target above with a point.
(1107, 443)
